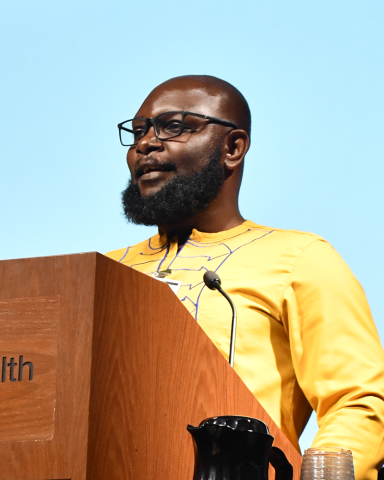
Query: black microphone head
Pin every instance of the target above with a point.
(212, 280)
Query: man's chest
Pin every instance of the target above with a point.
(246, 265)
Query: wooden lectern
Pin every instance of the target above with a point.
(102, 368)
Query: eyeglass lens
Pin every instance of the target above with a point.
(167, 125)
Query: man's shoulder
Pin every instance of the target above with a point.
(290, 236)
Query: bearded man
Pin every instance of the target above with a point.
(305, 336)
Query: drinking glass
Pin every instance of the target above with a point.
(327, 463)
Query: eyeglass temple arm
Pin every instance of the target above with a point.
(221, 121)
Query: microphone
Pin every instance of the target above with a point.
(213, 282)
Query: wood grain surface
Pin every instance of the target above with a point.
(28, 329)
(70, 279)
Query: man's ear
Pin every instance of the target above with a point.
(237, 146)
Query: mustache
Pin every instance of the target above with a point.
(150, 164)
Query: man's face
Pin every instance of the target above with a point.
(153, 163)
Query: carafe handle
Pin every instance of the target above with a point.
(278, 460)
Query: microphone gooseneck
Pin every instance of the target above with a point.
(213, 282)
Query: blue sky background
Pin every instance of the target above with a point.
(312, 72)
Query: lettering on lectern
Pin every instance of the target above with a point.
(12, 364)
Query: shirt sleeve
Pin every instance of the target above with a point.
(337, 355)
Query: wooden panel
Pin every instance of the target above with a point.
(153, 372)
(22, 282)
(28, 356)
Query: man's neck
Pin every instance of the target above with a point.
(202, 223)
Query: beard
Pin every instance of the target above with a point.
(179, 200)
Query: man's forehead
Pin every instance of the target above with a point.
(197, 100)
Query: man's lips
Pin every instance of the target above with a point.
(152, 169)
(152, 175)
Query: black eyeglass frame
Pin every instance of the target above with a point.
(152, 121)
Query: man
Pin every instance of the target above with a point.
(305, 336)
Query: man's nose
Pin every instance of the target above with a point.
(149, 143)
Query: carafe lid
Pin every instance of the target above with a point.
(247, 424)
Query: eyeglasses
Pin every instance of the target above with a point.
(166, 125)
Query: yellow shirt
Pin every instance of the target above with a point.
(305, 335)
